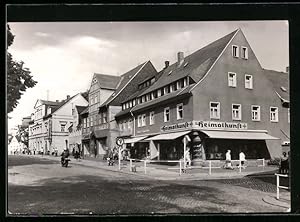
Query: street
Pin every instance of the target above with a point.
(38, 186)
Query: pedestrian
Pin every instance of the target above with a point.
(242, 159)
(283, 164)
(228, 164)
(42, 151)
(188, 157)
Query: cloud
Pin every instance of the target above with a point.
(42, 34)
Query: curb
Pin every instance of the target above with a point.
(273, 201)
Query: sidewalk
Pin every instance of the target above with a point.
(163, 172)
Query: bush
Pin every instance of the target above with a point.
(275, 161)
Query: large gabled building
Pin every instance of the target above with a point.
(215, 99)
(99, 126)
(49, 127)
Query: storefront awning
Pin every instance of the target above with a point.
(239, 135)
(134, 139)
(168, 136)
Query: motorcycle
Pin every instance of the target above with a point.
(65, 162)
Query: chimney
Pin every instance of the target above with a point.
(167, 63)
(57, 100)
(287, 69)
(68, 96)
(180, 58)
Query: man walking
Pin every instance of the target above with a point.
(228, 164)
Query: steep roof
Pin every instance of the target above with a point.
(50, 103)
(168, 97)
(125, 79)
(280, 81)
(107, 81)
(195, 65)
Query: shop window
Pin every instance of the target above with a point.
(248, 81)
(232, 79)
(144, 120)
(255, 110)
(274, 114)
(151, 118)
(180, 111)
(244, 52)
(167, 114)
(235, 51)
(214, 110)
(236, 112)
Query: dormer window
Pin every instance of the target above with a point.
(158, 92)
(235, 51)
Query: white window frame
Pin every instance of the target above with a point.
(139, 120)
(255, 111)
(158, 93)
(144, 120)
(151, 118)
(239, 112)
(167, 109)
(232, 81)
(218, 110)
(177, 109)
(246, 52)
(248, 83)
(237, 51)
(276, 114)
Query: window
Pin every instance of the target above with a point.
(92, 121)
(232, 79)
(235, 51)
(288, 115)
(214, 110)
(121, 126)
(248, 81)
(144, 120)
(139, 120)
(166, 89)
(158, 92)
(123, 106)
(244, 52)
(255, 110)
(151, 118)
(143, 99)
(167, 114)
(62, 128)
(147, 97)
(104, 117)
(133, 102)
(273, 114)
(184, 82)
(180, 111)
(236, 112)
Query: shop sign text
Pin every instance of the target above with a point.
(206, 125)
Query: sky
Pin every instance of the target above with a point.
(63, 56)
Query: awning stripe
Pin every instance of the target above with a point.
(134, 139)
(239, 135)
(168, 136)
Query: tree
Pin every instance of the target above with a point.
(18, 78)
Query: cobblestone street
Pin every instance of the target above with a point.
(41, 186)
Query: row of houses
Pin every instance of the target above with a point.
(215, 99)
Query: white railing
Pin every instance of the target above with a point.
(182, 166)
(278, 183)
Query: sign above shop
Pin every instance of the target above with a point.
(206, 125)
